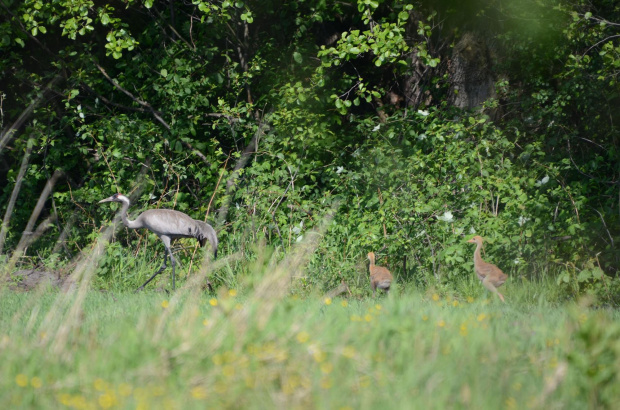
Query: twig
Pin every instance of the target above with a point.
(130, 95)
(606, 228)
(250, 149)
(16, 189)
(216, 186)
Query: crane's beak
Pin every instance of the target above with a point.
(469, 241)
(110, 199)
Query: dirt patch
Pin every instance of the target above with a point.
(29, 279)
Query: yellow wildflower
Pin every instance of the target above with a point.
(228, 371)
(327, 368)
(99, 384)
(348, 352)
(64, 398)
(199, 393)
(319, 356)
(302, 337)
(21, 380)
(106, 401)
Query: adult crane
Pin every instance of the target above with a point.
(168, 224)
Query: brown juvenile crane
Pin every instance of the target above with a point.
(380, 277)
(491, 276)
(168, 224)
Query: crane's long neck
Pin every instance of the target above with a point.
(126, 221)
(372, 260)
(477, 257)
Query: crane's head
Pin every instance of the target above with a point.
(371, 257)
(115, 198)
(476, 239)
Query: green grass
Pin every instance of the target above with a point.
(258, 345)
(264, 349)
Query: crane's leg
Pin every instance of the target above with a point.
(174, 264)
(487, 284)
(155, 274)
(167, 254)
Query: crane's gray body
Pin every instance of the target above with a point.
(174, 224)
(168, 225)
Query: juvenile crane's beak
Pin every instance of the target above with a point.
(110, 199)
(469, 241)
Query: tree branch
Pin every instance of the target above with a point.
(134, 98)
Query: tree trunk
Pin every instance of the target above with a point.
(471, 76)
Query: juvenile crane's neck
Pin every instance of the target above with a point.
(477, 257)
(371, 258)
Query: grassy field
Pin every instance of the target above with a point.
(261, 348)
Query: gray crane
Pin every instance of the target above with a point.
(168, 224)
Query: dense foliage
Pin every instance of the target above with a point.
(268, 116)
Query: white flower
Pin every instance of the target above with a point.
(516, 261)
(522, 220)
(446, 217)
(472, 230)
(297, 229)
(423, 113)
(376, 128)
(543, 181)
(339, 170)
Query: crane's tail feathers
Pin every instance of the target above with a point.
(384, 284)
